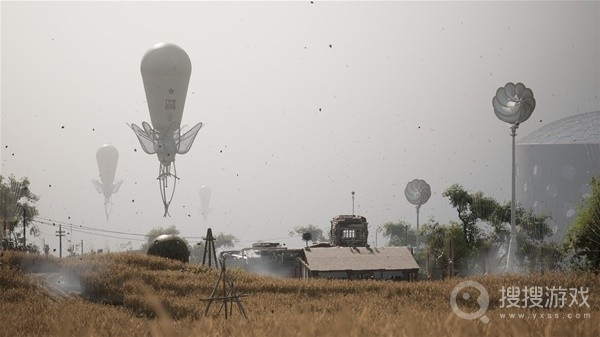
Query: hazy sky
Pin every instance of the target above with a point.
(303, 104)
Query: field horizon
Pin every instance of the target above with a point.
(131, 294)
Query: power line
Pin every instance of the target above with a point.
(82, 227)
(97, 234)
(91, 231)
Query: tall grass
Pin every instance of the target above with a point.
(136, 295)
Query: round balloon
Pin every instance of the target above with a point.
(417, 192)
(513, 103)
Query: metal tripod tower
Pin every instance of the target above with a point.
(209, 247)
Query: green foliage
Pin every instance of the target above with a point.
(447, 251)
(221, 241)
(155, 232)
(225, 241)
(486, 231)
(317, 233)
(471, 207)
(583, 238)
(16, 204)
(399, 233)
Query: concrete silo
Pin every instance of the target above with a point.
(555, 164)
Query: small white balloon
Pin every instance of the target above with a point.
(107, 157)
(417, 192)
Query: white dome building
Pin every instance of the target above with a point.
(555, 164)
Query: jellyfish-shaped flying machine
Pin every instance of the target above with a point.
(166, 70)
(107, 157)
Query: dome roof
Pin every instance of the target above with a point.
(579, 129)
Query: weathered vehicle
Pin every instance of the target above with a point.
(266, 258)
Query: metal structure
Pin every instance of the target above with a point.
(513, 104)
(170, 246)
(228, 295)
(349, 231)
(417, 192)
(265, 258)
(209, 248)
(556, 163)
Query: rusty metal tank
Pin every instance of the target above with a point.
(170, 246)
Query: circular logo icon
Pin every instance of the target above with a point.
(483, 300)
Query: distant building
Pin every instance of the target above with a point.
(347, 256)
(349, 231)
(395, 263)
(555, 164)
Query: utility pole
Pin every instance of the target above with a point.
(60, 233)
(352, 202)
(24, 231)
(81, 247)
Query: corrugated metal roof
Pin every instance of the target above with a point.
(359, 258)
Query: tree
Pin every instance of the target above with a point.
(16, 205)
(317, 234)
(471, 207)
(447, 253)
(486, 230)
(399, 233)
(221, 241)
(583, 238)
(156, 232)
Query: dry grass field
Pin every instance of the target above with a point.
(125, 294)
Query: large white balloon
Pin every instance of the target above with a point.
(107, 157)
(513, 103)
(166, 70)
(417, 192)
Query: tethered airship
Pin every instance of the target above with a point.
(107, 157)
(166, 70)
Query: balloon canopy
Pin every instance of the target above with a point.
(417, 192)
(107, 157)
(166, 70)
(513, 103)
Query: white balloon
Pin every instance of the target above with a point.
(417, 192)
(166, 70)
(513, 103)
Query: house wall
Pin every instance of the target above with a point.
(362, 274)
